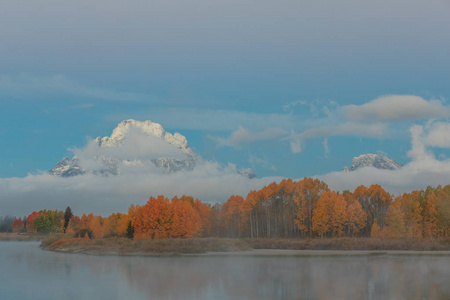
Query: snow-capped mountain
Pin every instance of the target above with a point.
(67, 167)
(373, 160)
(133, 146)
(247, 173)
(148, 128)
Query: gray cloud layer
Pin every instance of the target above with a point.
(212, 183)
(104, 195)
(423, 170)
(243, 136)
(396, 108)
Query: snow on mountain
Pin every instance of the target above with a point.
(148, 128)
(247, 173)
(133, 146)
(373, 160)
(67, 167)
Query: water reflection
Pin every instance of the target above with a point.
(72, 276)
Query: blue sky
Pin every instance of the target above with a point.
(246, 82)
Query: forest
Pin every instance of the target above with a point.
(290, 209)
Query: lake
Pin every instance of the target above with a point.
(28, 272)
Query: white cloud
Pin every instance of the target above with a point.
(376, 130)
(326, 147)
(345, 129)
(438, 135)
(212, 119)
(288, 106)
(296, 145)
(396, 108)
(264, 162)
(103, 195)
(208, 181)
(243, 136)
(423, 170)
(136, 145)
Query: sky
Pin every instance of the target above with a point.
(287, 88)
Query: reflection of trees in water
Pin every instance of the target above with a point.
(290, 277)
(369, 277)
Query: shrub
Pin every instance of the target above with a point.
(84, 233)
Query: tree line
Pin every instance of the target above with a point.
(290, 209)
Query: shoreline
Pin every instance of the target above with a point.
(244, 247)
(312, 253)
(269, 253)
(7, 236)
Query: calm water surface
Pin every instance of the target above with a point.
(28, 272)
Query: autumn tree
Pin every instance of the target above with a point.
(230, 217)
(186, 221)
(412, 207)
(374, 201)
(251, 213)
(431, 216)
(30, 222)
(111, 225)
(395, 223)
(75, 224)
(17, 225)
(444, 212)
(375, 231)
(126, 221)
(306, 194)
(93, 223)
(49, 221)
(154, 219)
(321, 219)
(356, 218)
(330, 214)
(339, 215)
(204, 211)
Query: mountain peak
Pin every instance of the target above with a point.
(148, 128)
(373, 160)
(134, 146)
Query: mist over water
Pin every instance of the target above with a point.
(28, 272)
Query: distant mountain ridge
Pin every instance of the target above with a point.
(134, 145)
(373, 160)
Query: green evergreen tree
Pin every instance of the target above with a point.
(67, 216)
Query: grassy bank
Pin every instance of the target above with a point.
(351, 244)
(21, 237)
(146, 247)
(124, 246)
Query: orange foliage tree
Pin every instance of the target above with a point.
(395, 223)
(205, 212)
(374, 202)
(186, 221)
(306, 194)
(154, 219)
(30, 222)
(17, 225)
(230, 216)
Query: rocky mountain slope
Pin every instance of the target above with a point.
(133, 146)
(373, 160)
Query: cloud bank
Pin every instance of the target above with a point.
(104, 195)
(396, 108)
(423, 170)
(243, 136)
(211, 182)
